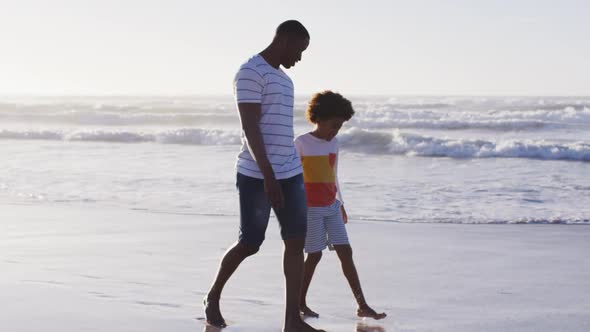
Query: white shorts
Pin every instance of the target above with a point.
(325, 226)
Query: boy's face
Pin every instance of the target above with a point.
(329, 128)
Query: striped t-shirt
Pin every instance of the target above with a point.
(320, 169)
(259, 83)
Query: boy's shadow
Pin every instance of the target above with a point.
(364, 327)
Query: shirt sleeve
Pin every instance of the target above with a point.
(248, 86)
(298, 146)
(338, 192)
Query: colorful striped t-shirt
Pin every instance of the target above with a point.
(320, 164)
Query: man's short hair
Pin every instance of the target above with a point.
(292, 27)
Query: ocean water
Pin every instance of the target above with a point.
(403, 159)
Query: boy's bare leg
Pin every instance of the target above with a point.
(232, 258)
(293, 269)
(310, 264)
(345, 255)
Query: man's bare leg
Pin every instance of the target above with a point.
(345, 255)
(310, 264)
(293, 269)
(232, 258)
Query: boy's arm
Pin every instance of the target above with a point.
(343, 212)
(338, 192)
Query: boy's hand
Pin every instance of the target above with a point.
(343, 212)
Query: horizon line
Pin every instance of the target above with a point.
(301, 94)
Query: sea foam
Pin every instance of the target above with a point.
(419, 145)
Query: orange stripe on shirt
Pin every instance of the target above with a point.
(320, 179)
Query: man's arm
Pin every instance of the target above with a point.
(250, 114)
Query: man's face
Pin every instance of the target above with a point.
(293, 50)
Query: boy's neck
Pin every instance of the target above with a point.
(315, 134)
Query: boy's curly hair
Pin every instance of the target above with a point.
(328, 105)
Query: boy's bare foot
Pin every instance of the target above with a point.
(306, 312)
(212, 313)
(369, 312)
(297, 325)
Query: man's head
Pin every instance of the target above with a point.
(291, 39)
(328, 111)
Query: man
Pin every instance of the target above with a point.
(269, 172)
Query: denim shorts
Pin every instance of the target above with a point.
(255, 209)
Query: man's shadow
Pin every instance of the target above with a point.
(360, 327)
(364, 327)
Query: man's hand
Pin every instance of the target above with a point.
(343, 212)
(273, 190)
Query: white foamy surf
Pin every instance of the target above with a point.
(410, 159)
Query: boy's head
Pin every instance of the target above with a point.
(328, 111)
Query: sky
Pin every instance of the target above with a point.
(375, 47)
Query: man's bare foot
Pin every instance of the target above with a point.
(306, 312)
(297, 325)
(369, 312)
(212, 313)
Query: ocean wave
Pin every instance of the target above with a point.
(451, 124)
(557, 220)
(422, 114)
(354, 139)
(417, 119)
(418, 105)
(97, 118)
(418, 145)
(195, 136)
(383, 118)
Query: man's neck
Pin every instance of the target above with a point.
(271, 57)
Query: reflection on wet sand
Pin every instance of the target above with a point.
(211, 328)
(364, 327)
(360, 326)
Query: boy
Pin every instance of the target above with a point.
(326, 215)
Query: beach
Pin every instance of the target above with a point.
(466, 214)
(71, 268)
(455, 136)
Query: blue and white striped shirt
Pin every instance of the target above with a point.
(258, 82)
